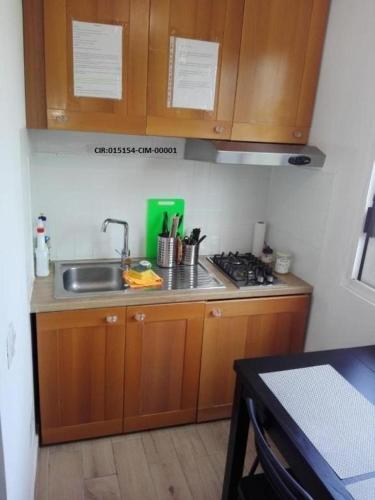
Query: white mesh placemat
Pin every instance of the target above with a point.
(335, 417)
(363, 490)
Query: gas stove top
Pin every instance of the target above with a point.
(245, 270)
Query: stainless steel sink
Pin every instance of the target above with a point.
(88, 278)
(99, 278)
(104, 277)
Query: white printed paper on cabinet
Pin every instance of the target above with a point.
(192, 74)
(97, 60)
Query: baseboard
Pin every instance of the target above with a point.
(34, 466)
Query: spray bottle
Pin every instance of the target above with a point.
(41, 251)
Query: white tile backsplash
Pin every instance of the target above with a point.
(297, 212)
(77, 190)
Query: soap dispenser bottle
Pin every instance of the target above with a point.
(41, 251)
(43, 218)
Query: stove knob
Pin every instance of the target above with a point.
(269, 278)
(260, 276)
(251, 275)
(268, 274)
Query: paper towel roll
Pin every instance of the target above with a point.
(258, 238)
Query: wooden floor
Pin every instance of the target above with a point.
(182, 463)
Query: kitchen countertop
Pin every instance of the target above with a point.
(43, 299)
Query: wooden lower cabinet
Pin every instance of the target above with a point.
(245, 329)
(81, 373)
(173, 366)
(162, 364)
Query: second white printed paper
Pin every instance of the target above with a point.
(194, 69)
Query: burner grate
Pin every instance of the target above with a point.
(245, 270)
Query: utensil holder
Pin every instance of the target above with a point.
(166, 252)
(190, 255)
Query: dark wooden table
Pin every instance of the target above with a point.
(357, 365)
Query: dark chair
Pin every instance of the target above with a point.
(276, 482)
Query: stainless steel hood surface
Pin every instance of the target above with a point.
(253, 153)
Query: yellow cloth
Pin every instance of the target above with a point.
(150, 279)
(143, 275)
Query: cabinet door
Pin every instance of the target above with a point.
(64, 110)
(278, 70)
(245, 329)
(209, 20)
(81, 373)
(163, 349)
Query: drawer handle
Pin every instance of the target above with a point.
(216, 313)
(139, 316)
(219, 129)
(111, 319)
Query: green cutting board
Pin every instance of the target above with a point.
(155, 210)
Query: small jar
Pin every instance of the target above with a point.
(283, 262)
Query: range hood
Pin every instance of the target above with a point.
(253, 153)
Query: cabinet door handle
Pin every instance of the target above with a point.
(298, 134)
(139, 316)
(219, 129)
(111, 319)
(216, 313)
(61, 118)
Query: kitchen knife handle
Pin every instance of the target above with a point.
(173, 232)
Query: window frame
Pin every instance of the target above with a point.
(350, 282)
(369, 232)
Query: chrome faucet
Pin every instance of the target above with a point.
(125, 252)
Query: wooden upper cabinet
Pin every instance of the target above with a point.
(278, 70)
(208, 20)
(163, 351)
(64, 109)
(81, 373)
(247, 328)
(268, 67)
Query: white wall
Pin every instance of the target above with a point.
(16, 382)
(320, 216)
(298, 203)
(77, 190)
